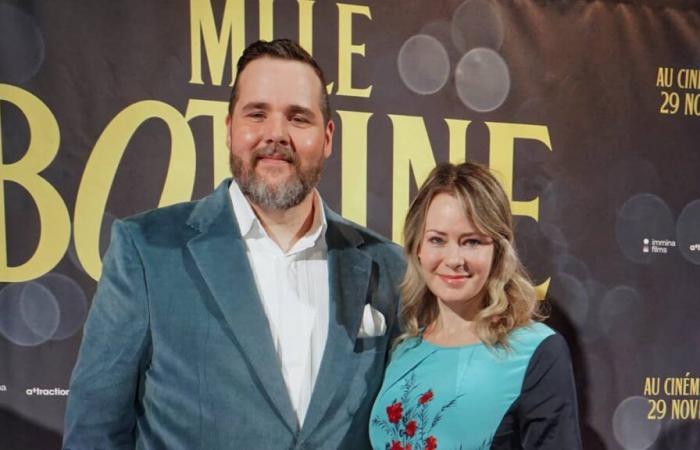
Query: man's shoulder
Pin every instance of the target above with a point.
(162, 218)
(367, 240)
(180, 217)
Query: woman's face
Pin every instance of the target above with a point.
(455, 258)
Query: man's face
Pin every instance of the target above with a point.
(276, 133)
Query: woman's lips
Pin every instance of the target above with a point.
(453, 279)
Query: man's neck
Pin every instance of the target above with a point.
(287, 226)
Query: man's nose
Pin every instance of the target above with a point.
(277, 131)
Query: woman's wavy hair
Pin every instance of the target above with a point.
(510, 300)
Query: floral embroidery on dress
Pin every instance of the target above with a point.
(408, 421)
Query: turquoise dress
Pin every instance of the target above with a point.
(474, 397)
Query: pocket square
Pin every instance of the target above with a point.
(373, 323)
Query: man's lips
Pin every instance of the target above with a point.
(274, 159)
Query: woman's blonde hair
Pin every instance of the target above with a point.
(510, 300)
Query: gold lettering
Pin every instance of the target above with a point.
(412, 153)
(218, 111)
(266, 20)
(102, 166)
(231, 36)
(306, 20)
(664, 77)
(44, 139)
(346, 49)
(458, 139)
(353, 191)
(501, 150)
(651, 386)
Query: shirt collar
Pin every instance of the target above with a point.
(251, 227)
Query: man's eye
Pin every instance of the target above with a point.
(300, 119)
(256, 115)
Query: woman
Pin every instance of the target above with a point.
(473, 369)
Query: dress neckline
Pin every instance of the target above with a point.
(432, 345)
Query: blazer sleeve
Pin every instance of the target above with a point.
(102, 403)
(547, 410)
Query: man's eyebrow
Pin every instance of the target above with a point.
(255, 105)
(298, 109)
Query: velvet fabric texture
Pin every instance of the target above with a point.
(177, 352)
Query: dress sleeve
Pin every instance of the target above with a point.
(547, 413)
(102, 403)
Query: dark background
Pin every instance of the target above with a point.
(619, 171)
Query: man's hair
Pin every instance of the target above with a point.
(285, 49)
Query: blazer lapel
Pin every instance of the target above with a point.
(220, 255)
(349, 274)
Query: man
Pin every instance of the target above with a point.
(255, 318)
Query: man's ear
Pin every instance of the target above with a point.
(328, 139)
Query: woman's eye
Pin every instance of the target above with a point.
(435, 240)
(472, 242)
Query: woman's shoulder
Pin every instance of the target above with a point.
(542, 345)
(406, 346)
(529, 337)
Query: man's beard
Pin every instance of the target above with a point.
(280, 196)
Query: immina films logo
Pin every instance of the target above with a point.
(660, 245)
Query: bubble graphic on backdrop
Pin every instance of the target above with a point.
(630, 174)
(423, 64)
(632, 429)
(29, 313)
(71, 301)
(482, 80)
(688, 232)
(440, 30)
(105, 235)
(570, 296)
(555, 235)
(679, 434)
(21, 45)
(476, 23)
(568, 264)
(535, 248)
(595, 291)
(620, 305)
(641, 219)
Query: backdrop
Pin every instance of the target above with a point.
(589, 111)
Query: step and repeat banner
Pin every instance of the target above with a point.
(588, 111)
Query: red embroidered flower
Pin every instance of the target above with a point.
(411, 428)
(394, 412)
(431, 443)
(426, 397)
(396, 445)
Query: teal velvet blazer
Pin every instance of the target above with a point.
(177, 351)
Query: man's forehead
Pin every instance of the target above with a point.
(279, 83)
(271, 68)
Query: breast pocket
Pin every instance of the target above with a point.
(371, 344)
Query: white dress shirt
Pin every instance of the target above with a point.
(293, 288)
